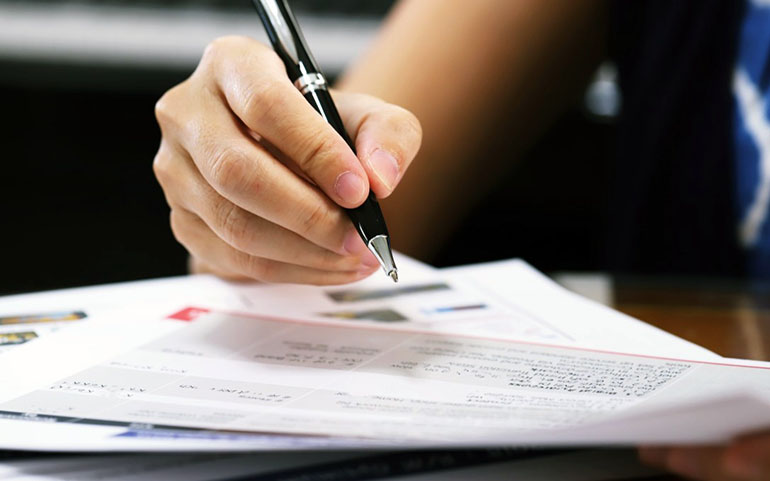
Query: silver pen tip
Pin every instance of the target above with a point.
(380, 247)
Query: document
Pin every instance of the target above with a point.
(213, 380)
(504, 300)
(508, 299)
(27, 317)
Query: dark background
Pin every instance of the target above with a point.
(81, 204)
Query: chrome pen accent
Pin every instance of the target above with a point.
(310, 82)
(282, 30)
(380, 247)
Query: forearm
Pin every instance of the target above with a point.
(466, 69)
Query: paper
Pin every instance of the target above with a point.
(213, 380)
(27, 317)
(509, 300)
(505, 300)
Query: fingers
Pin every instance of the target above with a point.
(749, 457)
(244, 231)
(244, 173)
(197, 266)
(387, 138)
(254, 83)
(204, 245)
(259, 176)
(742, 461)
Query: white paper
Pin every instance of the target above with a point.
(346, 384)
(507, 300)
(562, 317)
(151, 299)
(504, 300)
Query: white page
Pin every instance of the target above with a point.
(150, 299)
(359, 384)
(507, 300)
(563, 317)
(127, 300)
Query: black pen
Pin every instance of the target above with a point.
(289, 44)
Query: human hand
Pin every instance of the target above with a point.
(256, 179)
(744, 459)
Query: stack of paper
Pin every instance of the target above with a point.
(487, 355)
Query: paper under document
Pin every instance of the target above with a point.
(509, 300)
(28, 317)
(212, 380)
(504, 300)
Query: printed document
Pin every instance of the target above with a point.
(214, 380)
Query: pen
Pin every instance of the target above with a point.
(289, 44)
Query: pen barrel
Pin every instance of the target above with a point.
(367, 217)
(321, 100)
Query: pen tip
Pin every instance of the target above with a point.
(394, 275)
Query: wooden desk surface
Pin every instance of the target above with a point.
(731, 319)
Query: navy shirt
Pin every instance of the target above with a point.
(673, 204)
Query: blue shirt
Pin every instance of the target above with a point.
(751, 136)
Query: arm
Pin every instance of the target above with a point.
(469, 71)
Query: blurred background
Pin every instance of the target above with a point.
(78, 82)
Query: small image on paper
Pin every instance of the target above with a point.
(15, 338)
(383, 315)
(356, 295)
(47, 317)
(446, 309)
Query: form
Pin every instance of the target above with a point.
(212, 380)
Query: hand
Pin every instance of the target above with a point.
(745, 459)
(256, 178)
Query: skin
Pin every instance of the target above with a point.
(745, 459)
(256, 180)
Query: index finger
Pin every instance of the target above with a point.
(253, 81)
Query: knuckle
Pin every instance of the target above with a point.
(160, 167)
(257, 268)
(166, 106)
(222, 46)
(178, 227)
(263, 100)
(315, 151)
(312, 219)
(229, 168)
(233, 223)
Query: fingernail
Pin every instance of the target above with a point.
(349, 187)
(385, 167)
(742, 467)
(353, 244)
(684, 463)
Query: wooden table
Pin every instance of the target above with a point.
(729, 318)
